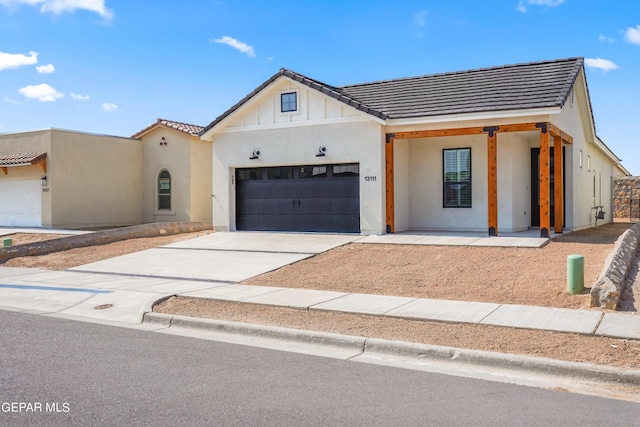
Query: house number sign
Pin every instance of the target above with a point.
(370, 178)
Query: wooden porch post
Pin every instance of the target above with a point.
(389, 183)
(492, 179)
(558, 199)
(545, 220)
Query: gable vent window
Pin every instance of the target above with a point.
(288, 102)
(457, 178)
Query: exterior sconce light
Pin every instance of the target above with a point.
(255, 155)
(321, 152)
(163, 141)
(43, 181)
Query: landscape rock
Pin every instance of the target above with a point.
(608, 288)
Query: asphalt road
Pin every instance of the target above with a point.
(73, 373)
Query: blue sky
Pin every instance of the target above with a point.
(115, 66)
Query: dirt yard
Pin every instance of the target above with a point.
(500, 275)
(522, 276)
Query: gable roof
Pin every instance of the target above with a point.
(187, 128)
(509, 87)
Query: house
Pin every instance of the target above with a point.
(63, 179)
(499, 149)
(66, 179)
(176, 172)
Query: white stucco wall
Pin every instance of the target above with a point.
(575, 119)
(345, 143)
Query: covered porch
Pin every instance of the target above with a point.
(432, 185)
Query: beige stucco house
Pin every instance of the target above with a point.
(58, 178)
(65, 179)
(500, 149)
(176, 171)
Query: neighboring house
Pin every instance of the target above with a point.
(498, 149)
(57, 179)
(176, 172)
(66, 179)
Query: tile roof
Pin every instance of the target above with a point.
(20, 159)
(508, 87)
(182, 127)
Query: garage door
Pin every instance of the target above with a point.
(20, 203)
(299, 198)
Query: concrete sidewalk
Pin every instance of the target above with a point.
(74, 293)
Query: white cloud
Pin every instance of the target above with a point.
(109, 108)
(79, 97)
(632, 35)
(15, 60)
(600, 64)
(236, 44)
(60, 6)
(42, 92)
(46, 69)
(604, 38)
(522, 4)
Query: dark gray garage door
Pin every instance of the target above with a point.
(299, 198)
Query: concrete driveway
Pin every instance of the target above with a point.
(221, 257)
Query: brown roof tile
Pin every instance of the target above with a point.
(21, 158)
(182, 127)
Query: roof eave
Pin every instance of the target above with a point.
(477, 115)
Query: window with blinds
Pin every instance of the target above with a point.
(456, 178)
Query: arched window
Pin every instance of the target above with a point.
(164, 191)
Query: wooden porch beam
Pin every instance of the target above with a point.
(545, 220)
(389, 183)
(4, 170)
(558, 199)
(557, 132)
(492, 180)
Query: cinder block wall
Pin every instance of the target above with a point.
(626, 197)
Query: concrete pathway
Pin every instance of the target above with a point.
(127, 298)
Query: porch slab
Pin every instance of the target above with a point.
(445, 311)
(620, 325)
(294, 298)
(510, 242)
(398, 239)
(446, 240)
(363, 303)
(545, 318)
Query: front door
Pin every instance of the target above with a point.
(535, 186)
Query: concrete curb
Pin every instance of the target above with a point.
(252, 330)
(608, 288)
(413, 351)
(538, 365)
(102, 238)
